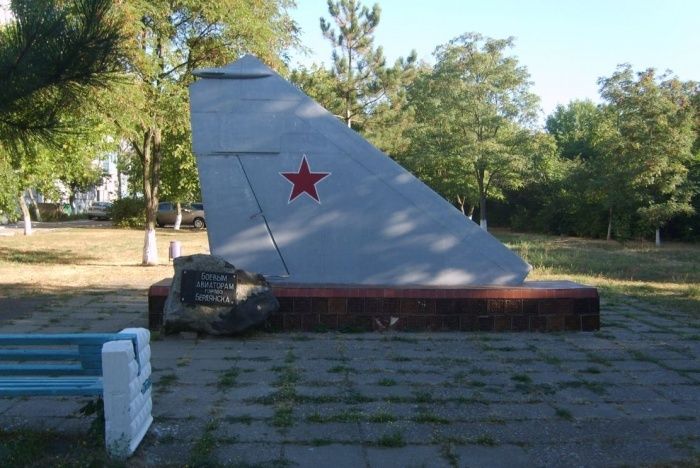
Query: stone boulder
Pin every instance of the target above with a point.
(253, 302)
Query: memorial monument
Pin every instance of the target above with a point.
(294, 194)
(345, 236)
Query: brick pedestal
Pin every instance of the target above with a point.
(534, 306)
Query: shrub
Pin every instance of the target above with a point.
(49, 212)
(129, 212)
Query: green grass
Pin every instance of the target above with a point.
(347, 416)
(429, 418)
(166, 382)
(244, 419)
(595, 387)
(321, 442)
(391, 439)
(475, 383)
(597, 359)
(668, 276)
(386, 382)
(486, 440)
(423, 397)
(286, 396)
(283, 416)
(381, 417)
(47, 256)
(401, 359)
(227, 379)
(564, 413)
(350, 416)
(200, 455)
(521, 378)
(24, 447)
(341, 370)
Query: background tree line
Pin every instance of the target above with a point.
(468, 127)
(90, 76)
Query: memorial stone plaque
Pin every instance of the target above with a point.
(206, 287)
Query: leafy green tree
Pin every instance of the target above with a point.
(179, 180)
(52, 54)
(77, 159)
(585, 183)
(321, 85)
(475, 107)
(8, 189)
(34, 170)
(690, 225)
(167, 42)
(648, 143)
(574, 126)
(391, 122)
(445, 175)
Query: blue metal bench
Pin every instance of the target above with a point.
(62, 364)
(72, 364)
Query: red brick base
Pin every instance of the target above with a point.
(535, 306)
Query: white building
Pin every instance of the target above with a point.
(108, 190)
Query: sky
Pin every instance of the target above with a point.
(566, 45)
(4, 11)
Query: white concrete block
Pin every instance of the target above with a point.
(116, 359)
(145, 354)
(127, 407)
(146, 372)
(143, 336)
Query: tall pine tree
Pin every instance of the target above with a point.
(357, 65)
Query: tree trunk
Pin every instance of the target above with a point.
(658, 237)
(462, 204)
(482, 214)
(25, 215)
(119, 183)
(150, 154)
(178, 216)
(347, 96)
(150, 248)
(35, 205)
(610, 224)
(461, 201)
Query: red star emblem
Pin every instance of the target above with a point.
(304, 181)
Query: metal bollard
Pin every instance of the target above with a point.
(175, 250)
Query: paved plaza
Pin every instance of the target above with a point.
(627, 395)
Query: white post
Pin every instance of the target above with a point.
(126, 392)
(658, 237)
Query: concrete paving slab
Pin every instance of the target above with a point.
(415, 456)
(311, 433)
(255, 431)
(248, 454)
(340, 456)
(506, 456)
(593, 404)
